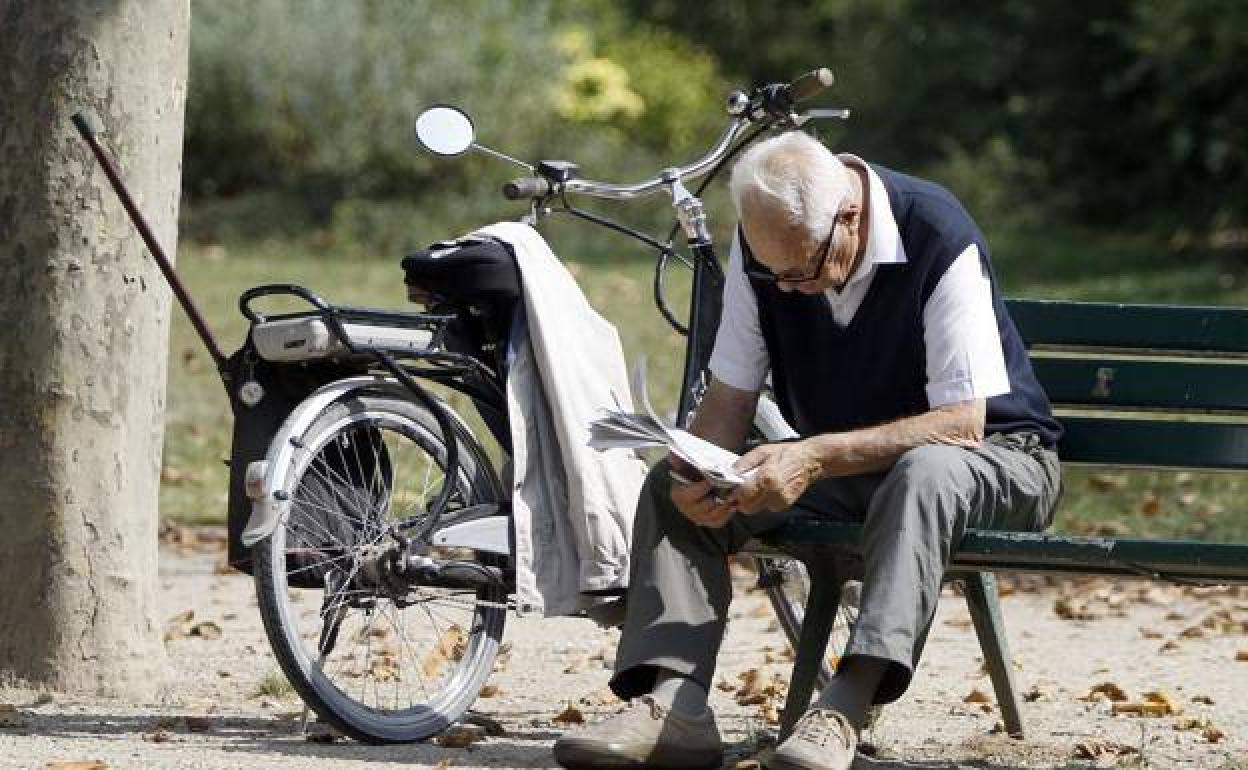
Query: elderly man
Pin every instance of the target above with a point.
(870, 297)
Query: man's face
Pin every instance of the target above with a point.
(798, 261)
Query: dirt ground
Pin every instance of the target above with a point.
(1067, 639)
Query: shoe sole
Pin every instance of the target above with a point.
(774, 762)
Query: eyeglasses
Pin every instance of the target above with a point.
(758, 272)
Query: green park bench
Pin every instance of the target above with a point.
(1141, 386)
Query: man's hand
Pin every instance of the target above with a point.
(782, 472)
(700, 502)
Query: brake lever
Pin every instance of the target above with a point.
(819, 113)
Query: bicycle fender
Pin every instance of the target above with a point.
(267, 478)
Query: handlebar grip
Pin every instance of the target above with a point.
(811, 84)
(526, 187)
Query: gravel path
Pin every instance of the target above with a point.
(1067, 639)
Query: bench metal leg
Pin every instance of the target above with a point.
(982, 601)
(817, 621)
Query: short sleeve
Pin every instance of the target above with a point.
(739, 358)
(965, 360)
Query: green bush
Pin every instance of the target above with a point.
(316, 99)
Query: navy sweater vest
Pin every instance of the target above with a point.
(829, 378)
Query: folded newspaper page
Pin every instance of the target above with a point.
(617, 429)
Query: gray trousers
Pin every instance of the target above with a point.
(913, 515)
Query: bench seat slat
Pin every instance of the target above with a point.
(1155, 327)
(1098, 381)
(1155, 443)
(988, 549)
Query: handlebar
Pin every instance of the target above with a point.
(767, 104)
(527, 187)
(810, 85)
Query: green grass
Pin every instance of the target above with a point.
(616, 277)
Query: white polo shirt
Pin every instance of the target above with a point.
(964, 356)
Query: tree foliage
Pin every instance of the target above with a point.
(1119, 113)
(1122, 113)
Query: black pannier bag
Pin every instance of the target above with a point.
(284, 385)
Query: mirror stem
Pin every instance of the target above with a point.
(500, 156)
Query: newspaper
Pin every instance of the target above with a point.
(618, 429)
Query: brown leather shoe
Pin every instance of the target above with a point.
(823, 739)
(646, 734)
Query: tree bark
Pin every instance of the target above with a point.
(84, 337)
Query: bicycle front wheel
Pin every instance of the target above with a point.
(382, 663)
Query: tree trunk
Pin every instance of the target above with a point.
(83, 337)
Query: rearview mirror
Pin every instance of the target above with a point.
(444, 130)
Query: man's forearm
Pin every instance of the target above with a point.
(873, 449)
(725, 415)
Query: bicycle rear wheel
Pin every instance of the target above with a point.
(382, 664)
(788, 588)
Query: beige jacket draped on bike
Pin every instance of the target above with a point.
(572, 506)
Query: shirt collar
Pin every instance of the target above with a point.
(883, 241)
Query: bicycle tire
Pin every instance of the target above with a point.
(403, 432)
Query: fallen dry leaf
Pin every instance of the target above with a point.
(569, 716)
(748, 764)
(489, 691)
(1205, 699)
(1193, 632)
(11, 716)
(450, 647)
(977, 696)
(1212, 734)
(769, 713)
(1242, 656)
(1149, 633)
(1169, 646)
(384, 669)
(1155, 704)
(781, 656)
(205, 630)
(1151, 505)
(1108, 690)
(459, 736)
(78, 764)
(1101, 749)
(725, 686)
(1068, 608)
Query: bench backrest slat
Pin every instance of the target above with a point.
(1114, 382)
(1155, 443)
(1107, 325)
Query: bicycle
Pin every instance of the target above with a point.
(353, 482)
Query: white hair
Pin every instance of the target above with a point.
(794, 175)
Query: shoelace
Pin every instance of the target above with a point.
(821, 727)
